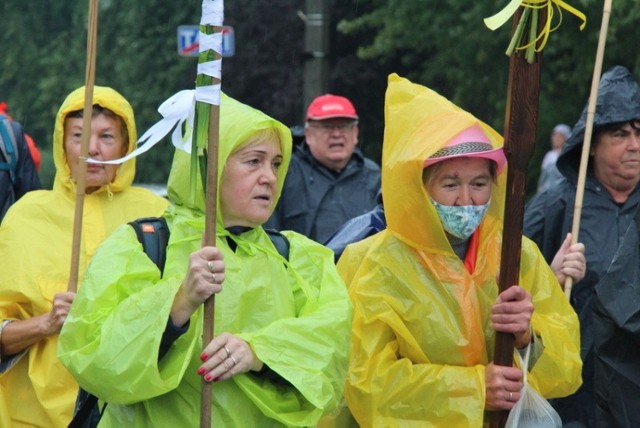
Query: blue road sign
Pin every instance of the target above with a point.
(188, 40)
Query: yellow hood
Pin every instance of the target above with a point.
(107, 98)
(418, 123)
(422, 333)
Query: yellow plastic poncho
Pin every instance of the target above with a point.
(295, 314)
(35, 248)
(421, 330)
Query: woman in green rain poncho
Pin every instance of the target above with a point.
(282, 326)
(35, 247)
(425, 291)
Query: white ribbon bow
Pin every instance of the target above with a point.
(177, 114)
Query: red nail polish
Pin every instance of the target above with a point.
(208, 378)
(201, 371)
(204, 357)
(217, 379)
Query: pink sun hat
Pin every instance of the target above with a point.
(471, 142)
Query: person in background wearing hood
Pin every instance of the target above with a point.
(282, 324)
(329, 180)
(17, 176)
(425, 292)
(549, 174)
(36, 157)
(607, 298)
(35, 244)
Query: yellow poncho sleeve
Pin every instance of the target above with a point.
(401, 373)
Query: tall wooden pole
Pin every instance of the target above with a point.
(208, 108)
(521, 117)
(586, 143)
(210, 240)
(81, 172)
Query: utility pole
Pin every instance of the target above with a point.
(316, 47)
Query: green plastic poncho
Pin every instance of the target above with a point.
(421, 329)
(35, 244)
(295, 314)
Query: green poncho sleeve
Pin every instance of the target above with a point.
(295, 314)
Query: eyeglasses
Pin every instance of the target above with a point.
(329, 127)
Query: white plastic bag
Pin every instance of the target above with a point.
(531, 410)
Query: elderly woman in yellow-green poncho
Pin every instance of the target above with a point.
(35, 247)
(425, 293)
(282, 323)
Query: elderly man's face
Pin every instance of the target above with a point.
(332, 141)
(616, 157)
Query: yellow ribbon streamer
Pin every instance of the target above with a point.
(505, 14)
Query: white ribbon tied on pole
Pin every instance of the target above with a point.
(178, 110)
(212, 14)
(177, 114)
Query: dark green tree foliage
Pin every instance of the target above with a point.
(442, 44)
(446, 46)
(37, 58)
(44, 58)
(266, 71)
(362, 80)
(138, 55)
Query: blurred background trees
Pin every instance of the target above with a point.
(443, 45)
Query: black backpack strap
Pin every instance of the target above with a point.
(153, 233)
(280, 242)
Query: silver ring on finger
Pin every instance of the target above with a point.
(210, 266)
(510, 396)
(213, 277)
(228, 352)
(233, 359)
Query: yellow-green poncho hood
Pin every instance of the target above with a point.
(240, 123)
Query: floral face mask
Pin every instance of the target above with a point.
(461, 221)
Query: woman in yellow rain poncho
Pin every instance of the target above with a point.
(282, 325)
(426, 303)
(35, 247)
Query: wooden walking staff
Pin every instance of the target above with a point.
(92, 34)
(521, 116)
(588, 129)
(206, 131)
(520, 122)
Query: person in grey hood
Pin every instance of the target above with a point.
(607, 299)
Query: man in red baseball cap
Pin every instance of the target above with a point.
(331, 131)
(329, 180)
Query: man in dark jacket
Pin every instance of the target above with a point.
(17, 171)
(607, 299)
(329, 180)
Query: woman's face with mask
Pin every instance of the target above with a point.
(460, 189)
(460, 181)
